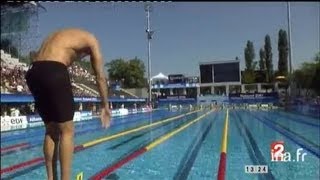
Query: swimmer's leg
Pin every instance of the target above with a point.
(66, 148)
(50, 149)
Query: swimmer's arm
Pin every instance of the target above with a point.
(97, 64)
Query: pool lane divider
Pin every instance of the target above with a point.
(7, 138)
(38, 130)
(135, 154)
(193, 151)
(223, 154)
(13, 147)
(100, 140)
(291, 136)
(136, 136)
(39, 160)
(298, 120)
(254, 151)
(292, 132)
(28, 145)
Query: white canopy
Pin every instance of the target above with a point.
(159, 76)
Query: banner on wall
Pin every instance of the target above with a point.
(253, 97)
(119, 112)
(12, 123)
(22, 122)
(26, 98)
(34, 121)
(86, 115)
(77, 116)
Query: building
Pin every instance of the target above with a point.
(175, 88)
(219, 77)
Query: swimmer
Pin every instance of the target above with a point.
(49, 82)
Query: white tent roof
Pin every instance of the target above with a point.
(159, 76)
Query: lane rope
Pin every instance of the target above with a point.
(81, 147)
(224, 144)
(144, 149)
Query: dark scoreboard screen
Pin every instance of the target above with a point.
(226, 72)
(220, 72)
(206, 73)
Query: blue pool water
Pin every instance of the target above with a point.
(192, 153)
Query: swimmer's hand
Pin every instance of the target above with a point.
(105, 117)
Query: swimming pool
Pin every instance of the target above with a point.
(175, 145)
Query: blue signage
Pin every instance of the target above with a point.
(177, 99)
(21, 98)
(34, 119)
(179, 85)
(253, 97)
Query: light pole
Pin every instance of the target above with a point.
(149, 32)
(290, 46)
(289, 34)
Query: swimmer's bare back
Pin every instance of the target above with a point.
(68, 45)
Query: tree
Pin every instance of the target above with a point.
(262, 62)
(308, 76)
(130, 73)
(136, 70)
(283, 53)
(303, 76)
(117, 69)
(268, 53)
(249, 55)
(315, 85)
(248, 77)
(317, 57)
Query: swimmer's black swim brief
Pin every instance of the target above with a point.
(51, 88)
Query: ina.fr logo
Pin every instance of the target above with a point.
(278, 153)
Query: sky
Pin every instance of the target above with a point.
(188, 33)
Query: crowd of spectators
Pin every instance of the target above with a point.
(80, 92)
(78, 71)
(13, 80)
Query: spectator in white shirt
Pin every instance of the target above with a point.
(19, 88)
(14, 112)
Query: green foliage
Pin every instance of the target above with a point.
(308, 75)
(315, 85)
(249, 56)
(262, 61)
(283, 53)
(130, 73)
(268, 53)
(248, 77)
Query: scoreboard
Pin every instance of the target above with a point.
(220, 72)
